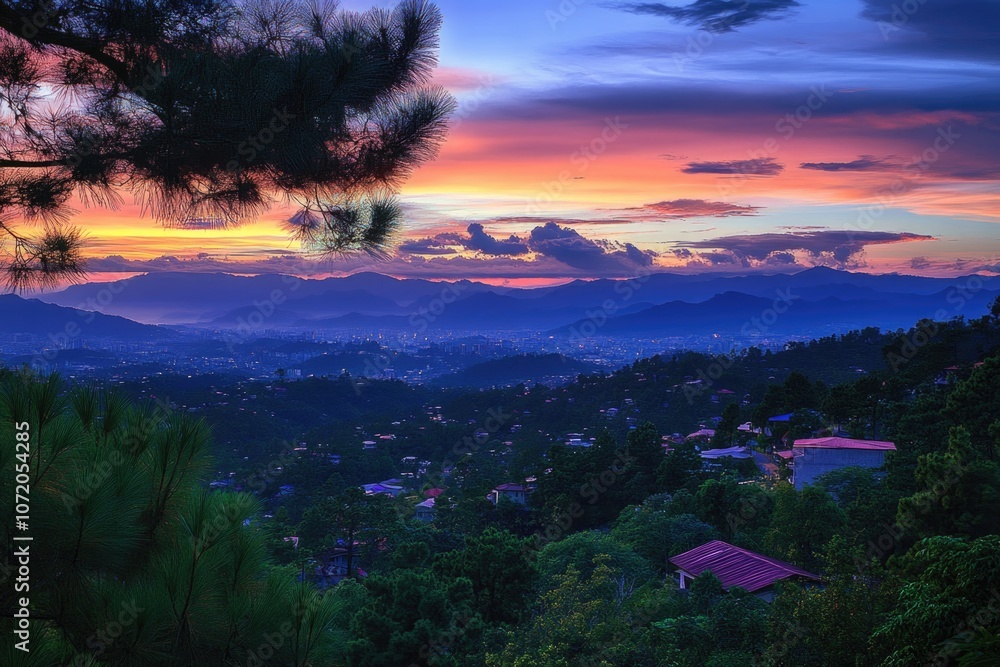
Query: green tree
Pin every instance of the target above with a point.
(802, 524)
(678, 467)
(133, 560)
(975, 404)
(725, 430)
(501, 570)
(800, 394)
(353, 520)
(206, 110)
(810, 625)
(653, 531)
(957, 492)
(413, 617)
(950, 598)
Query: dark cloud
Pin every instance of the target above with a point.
(957, 28)
(482, 242)
(537, 220)
(429, 246)
(832, 246)
(766, 166)
(569, 247)
(715, 258)
(780, 258)
(696, 208)
(863, 163)
(478, 240)
(548, 241)
(715, 15)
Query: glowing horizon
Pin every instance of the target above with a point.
(615, 139)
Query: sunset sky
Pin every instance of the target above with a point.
(603, 138)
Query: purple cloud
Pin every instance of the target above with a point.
(766, 166)
(863, 163)
(833, 246)
(715, 15)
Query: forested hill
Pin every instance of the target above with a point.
(581, 573)
(517, 369)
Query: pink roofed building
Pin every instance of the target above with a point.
(517, 493)
(737, 568)
(813, 457)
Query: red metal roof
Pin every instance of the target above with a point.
(509, 487)
(845, 443)
(736, 567)
(784, 455)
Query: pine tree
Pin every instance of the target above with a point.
(133, 561)
(206, 112)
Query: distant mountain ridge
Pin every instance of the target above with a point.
(31, 316)
(646, 305)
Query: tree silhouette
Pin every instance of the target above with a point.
(208, 112)
(133, 560)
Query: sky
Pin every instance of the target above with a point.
(602, 138)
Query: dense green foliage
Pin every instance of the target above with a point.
(580, 575)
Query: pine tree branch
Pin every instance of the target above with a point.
(14, 22)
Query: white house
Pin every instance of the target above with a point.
(425, 510)
(813, 457)
(514, 492)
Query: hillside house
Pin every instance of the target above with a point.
(425, 510)
(737, 568)
(813, 457)
(514, 492)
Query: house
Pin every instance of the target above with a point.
(331, 568)
(785, 456)
(701, 434)
(813, 457)
(433, 493)
(732, 452)
(514, 492)
(425, 510)
(382, 488)
(737, 568)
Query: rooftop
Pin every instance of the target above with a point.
(510, 487)
(736, 567)
(835, 442)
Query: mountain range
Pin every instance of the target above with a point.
(654, 305)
